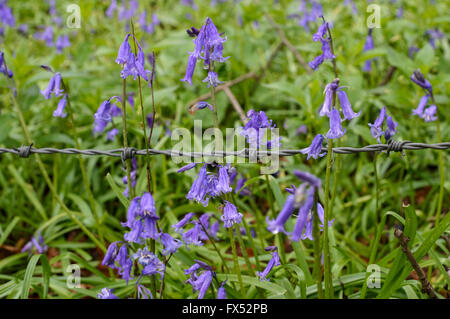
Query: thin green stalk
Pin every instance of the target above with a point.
(243, 250)
(125, 139)
(237, 269)
(86, 182)
(326, 245)
(317, 250)
(215, 247)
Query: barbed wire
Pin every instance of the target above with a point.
(127, 153)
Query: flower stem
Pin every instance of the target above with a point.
(237, 269)
(244, 251)
(215, 247)
(317, 250)
(125, 139)
(326, 247)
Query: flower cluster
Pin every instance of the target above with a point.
(201, 276)
(305, 17)
(6, 16)
(322, 36)
(209, 48)
(256, 128)
(55, 87)
(428, 114)
(133, 65)
(376, 127)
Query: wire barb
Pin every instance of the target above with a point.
(24, 151)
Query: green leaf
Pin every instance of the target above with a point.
(8, 230)
(274, 288)
(125, 201)
(424, 58)
(26, 284)
(401, 61)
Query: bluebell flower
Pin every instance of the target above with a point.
(368, 45)
(240, 190)
(135, 235)
(223, 186)
(418, 78)
(106, 294)
(199, 189)
(336, 130)
(327, 54)
(38, 243)
(221, 292)
(46, 36)
(214, 229)
(59, 112)
(346, 106)
(303, 212)
(423, 102)
(212, 79)
(208, 46)
(144, 293)
(178, 226)
(277, 225)
(133, 176)
(125, 263)
(200, 282)
(316, 62)
(171, 244)
(111, 8)
(54, 86)
(315, 149)
(132, 65)
(327, 103)
(148, 28)
(375, 128)
(274, 261)
(194, 235)
(111, 135)
(254, 130)
(391, 128)
(434, 35)
(302, 129)
(152, 265)
(187, 167)
(3, 66)
(62, 42)
(230, 215)
(309, 178)
(111, 255)
(429, 114)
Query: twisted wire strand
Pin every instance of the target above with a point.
(126, 153)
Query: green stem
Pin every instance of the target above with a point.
(441, 172)
(215, 247)
(244, 251)
(237, 269)
(125, 139)
(82, 166)
(326, 247)
(317, 250)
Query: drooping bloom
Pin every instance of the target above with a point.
(315, 149)
(423, 102)
(59, 112)
(199, 189)
(274, 261)
(3, 66)
(62, 42)
(194, 235)
(223, 185)
(37, 243)
(434, 34)
(171, 244)
(6, 16)
(212, 79)
(418, 78)
(106, 294)
(391, 128)
(132, 65)
(111, 135)
(429, 114)
(144, 293)
(303, 215)
(148, 27)
(327, 103)
(54, 86)
(256, 128)
(375, 128)
(111, 8)
(200, 281)
(178, 226)
(152, 265)
(46, 36)
(368, 45)
(327, 54)
(230, 215)
(309, 178)
(110, 255)
(106, 111)
(221, 293)
(277, 225)
(208, 47)
(336, 130)
(346, 106)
